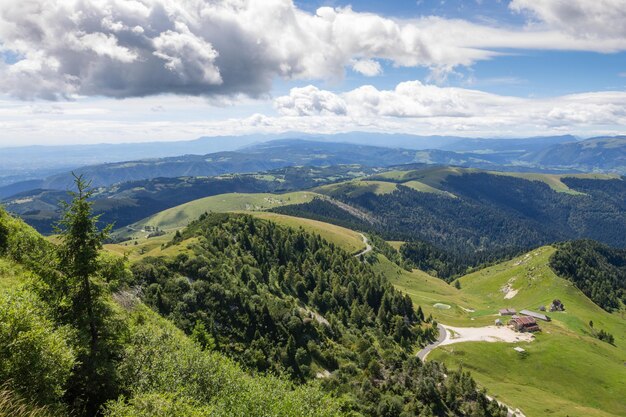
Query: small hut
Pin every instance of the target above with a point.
(557, 305)
(507, 311)
(525, 324)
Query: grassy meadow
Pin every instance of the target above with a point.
(564, 372)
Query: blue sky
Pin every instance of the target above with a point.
(160, 69)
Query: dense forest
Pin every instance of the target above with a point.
(597, 270)
(260, 310)
(287, 301)
(492, 217)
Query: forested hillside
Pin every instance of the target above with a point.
(70, 346)
(598, 270)
(475, 218)
(248, 293)
(287, 301)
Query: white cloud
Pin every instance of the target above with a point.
(456, 109)
(595, 19)
(136, 48)
(410, 107)
(367, 67)
(309, 101)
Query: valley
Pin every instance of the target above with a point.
(330, 208)
(524, 282)
(342, 274)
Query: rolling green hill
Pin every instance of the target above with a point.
(143, 244)
(566, 371)
(477, 216)
(605, 154)
(131, 201)
(541, 383)
(179, 216)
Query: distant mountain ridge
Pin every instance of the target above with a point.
(38, 162)
(606, 154)
(262, 156)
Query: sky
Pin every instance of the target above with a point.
(93, 71)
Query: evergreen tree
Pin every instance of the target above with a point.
(94, 379)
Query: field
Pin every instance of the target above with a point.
(564, 372)
(427, 291)
(355, 188)
(347, 239)
(11, 274)
(179, 216)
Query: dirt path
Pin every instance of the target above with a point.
(368, 247)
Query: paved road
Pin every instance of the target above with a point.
(368, 247)
(442, 336)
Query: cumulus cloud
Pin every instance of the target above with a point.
(310, 101)
(596, 19)
(447, 108)
(367, 67)
(410, 107)
(133, 48)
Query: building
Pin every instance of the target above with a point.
(557, 305)
(525, 324)
(535, 315)
(498, 322)
(507, 311)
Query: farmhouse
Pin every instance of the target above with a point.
(507, 311)
(524, 324)
(535, 315)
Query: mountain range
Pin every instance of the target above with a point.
(549, 154)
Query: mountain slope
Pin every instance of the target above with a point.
(478, 214)
(565, 371)
(283, 299)
(606, 154)
(129, 202)
(262, 157)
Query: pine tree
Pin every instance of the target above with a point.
(94, 379)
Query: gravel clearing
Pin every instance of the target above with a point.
(484, 334)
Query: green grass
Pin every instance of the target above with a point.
(430, 176)
(426, 291)
(347, 239)
(179, 216)
(355, 188)
(561, 375)
(566, 371)
(425, 188)
(396, 244)
(11, 274)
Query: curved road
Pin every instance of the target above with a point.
(442, 336)
(368, 247)
(443, 333)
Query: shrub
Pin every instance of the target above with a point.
(34, 355)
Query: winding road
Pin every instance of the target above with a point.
(443, 333)
(368, 247)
